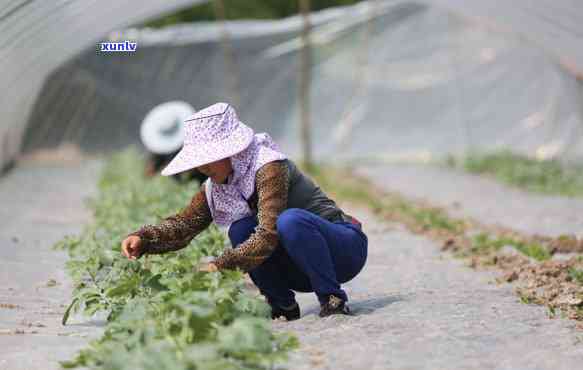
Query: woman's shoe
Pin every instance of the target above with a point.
(334, 306)
(290, 313)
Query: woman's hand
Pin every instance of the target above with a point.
(208, 267)
(131, 247)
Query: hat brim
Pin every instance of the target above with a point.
(191, 156)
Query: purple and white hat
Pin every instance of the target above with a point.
(211, 134)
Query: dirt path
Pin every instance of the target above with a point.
(420, 309)
(481, 198)
(40, 204)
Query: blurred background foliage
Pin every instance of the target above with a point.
(239, 9)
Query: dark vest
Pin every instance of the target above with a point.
(305, 194)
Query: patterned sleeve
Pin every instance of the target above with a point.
(272, 182)
(175, 232)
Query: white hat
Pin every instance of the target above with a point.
(162, 130)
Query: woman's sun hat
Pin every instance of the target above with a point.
(211, 134)
(161, 130)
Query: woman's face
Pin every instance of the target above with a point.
(218, 171)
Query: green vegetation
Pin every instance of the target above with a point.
(422, 218)
(548, 177)
(533, 250)
(527, 299)
(576, 275)
(248, 9)
(549, 283)
(484, 244)
(349, 188)
(162, 313)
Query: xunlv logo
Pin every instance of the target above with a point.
(118, 46)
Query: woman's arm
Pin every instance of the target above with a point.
(175, 232)
(272, 183)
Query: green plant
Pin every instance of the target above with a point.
(534, 250)
(551, 312)
(483, 244)
(542, 176)
(526, 299)
(162, 312)
(576, 275)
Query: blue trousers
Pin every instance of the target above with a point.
(313, 255)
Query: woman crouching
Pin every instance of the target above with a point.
(285, 231)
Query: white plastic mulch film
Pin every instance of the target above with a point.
(391, 80)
